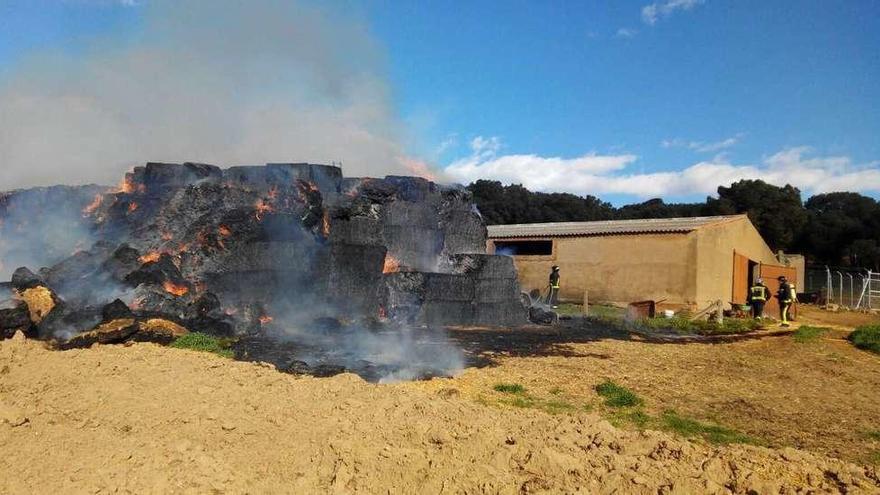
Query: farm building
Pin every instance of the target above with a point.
(687, 262)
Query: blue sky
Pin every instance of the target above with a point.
(626, 100)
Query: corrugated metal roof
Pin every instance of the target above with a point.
(605, 227)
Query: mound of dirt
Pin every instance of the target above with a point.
(149, 419)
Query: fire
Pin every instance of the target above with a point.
(126, 185)
(224, 231)
(262, 208)
(167, 236)
(325, 223)
(132, 207)
(94, 205)
(418, 168)
(266, 319)
(382, 313)
(391, 264)
(129, 187)
(273, 193)
(174, 289)
(150, 257)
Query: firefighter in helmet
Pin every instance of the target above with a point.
(553, 295)
(787, 296)
(758, 295)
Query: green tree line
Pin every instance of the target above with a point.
(840, 228)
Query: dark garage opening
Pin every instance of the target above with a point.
(524, 248)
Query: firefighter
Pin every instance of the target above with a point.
(758, 295)
(553, 295)
(786, 296)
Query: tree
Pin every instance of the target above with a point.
(515, 204)
(842, 228)
(777, 212)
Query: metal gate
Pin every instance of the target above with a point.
(870, 298)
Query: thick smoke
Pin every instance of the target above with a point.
(41, 226)
(225, 82)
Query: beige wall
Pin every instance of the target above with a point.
(616, 268)
(715, 247)
(690, 269)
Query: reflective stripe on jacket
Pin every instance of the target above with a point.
(758, 293)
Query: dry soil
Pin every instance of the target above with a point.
(151, 419)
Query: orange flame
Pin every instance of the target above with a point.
(150, 257)
(325, 224)
(94, 205)
(132, 207)
(262, 208)
(167, 236)
(266, 319)
(224, 231)
(382, 313)
(391, 264)
(418, 168)
(174, 289)
(126, 185)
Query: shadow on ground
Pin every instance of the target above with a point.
(483, 346)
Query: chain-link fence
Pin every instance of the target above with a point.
(836, 285)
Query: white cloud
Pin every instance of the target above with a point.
(657, 10)
(607, 174)
(702, 146)
(626, 33)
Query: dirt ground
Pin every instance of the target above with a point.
(151, 419)
(822, 396)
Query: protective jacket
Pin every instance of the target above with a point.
(786, 292)
(554, 280)
(759, 292)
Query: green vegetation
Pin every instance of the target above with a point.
(636, 417)
(516, 396)
(701, 327)
(198, 341)
(596, 311)
(623, 408)
(686, 427)
(806, 334)
(873, 434)
(866, 337)
(616, 395)
(509, 388)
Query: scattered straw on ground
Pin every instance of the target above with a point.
(150, 419)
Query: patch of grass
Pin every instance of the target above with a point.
(866, 337)
(569, 309)
(556, 391)
(874, 457)
(687, 427)
(873, 434)
(807, 334)
(616, 395)
(509, 388)
(684, 325)
(557, 406)
(198, 341)
(635, 417)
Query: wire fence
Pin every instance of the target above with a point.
(836, 285)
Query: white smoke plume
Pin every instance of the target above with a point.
(224, 82)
